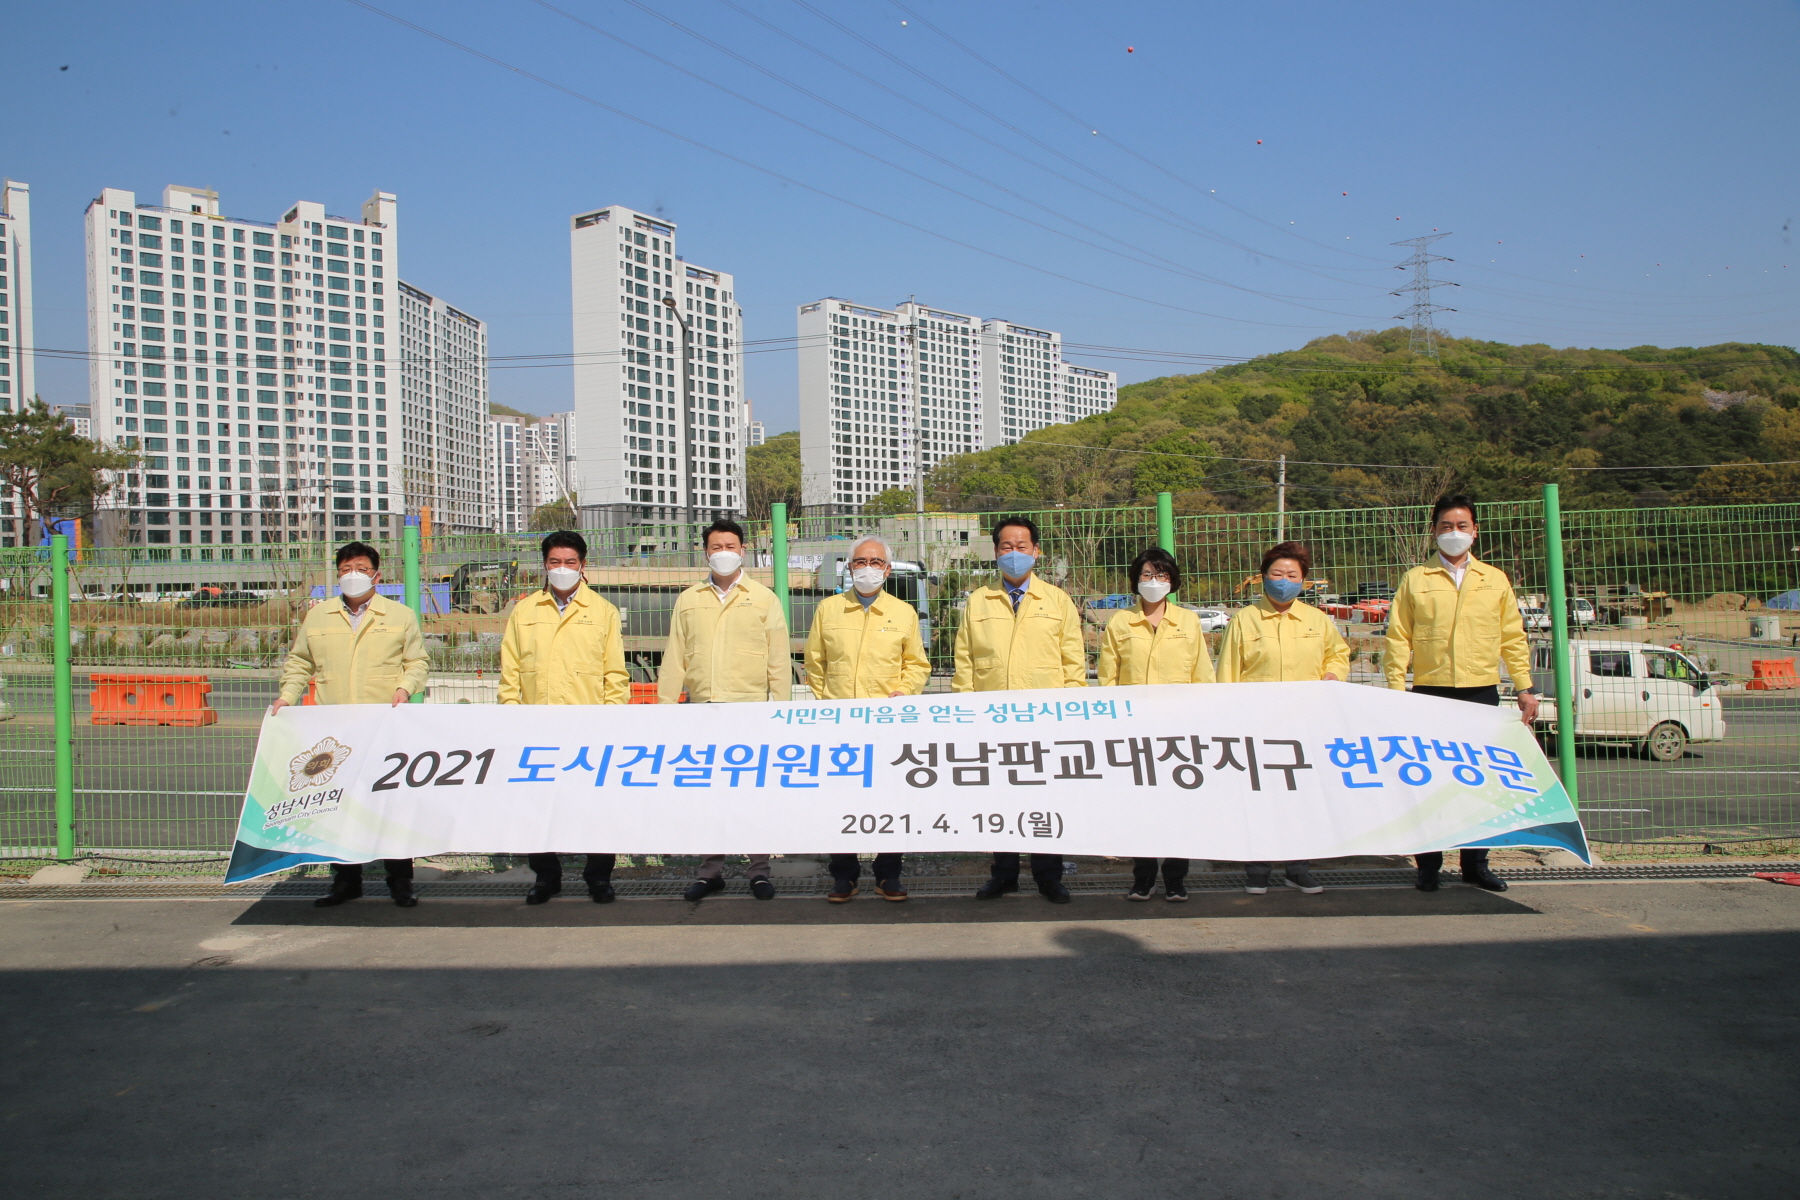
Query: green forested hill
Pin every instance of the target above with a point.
(1496, 419)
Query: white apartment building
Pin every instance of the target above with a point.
(18, 383)
(755, 434)
(1087, 392)
(248, 361)
(883, 388)
(444, 411)
(527, 465)
(18, 378)
(658, 377)
(503, 450)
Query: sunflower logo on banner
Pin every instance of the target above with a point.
(314, 768)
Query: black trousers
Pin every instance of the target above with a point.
(548, 867)
(398, 870)
(886, 867)
(1471, 859)
(1174, 870)
(1045, 868)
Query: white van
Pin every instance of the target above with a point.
(1630, 692)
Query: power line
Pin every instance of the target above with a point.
(1155, 261)
(790, 180)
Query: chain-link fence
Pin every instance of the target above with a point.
(1685, 730)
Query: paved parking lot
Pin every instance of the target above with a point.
(1578, 1040)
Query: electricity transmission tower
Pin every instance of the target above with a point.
(1418, 315)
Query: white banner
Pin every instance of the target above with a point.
(1257, 771)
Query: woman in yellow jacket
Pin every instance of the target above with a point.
(563, 646)
(1277, 639)
(1155, 642)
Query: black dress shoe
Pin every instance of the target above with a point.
(761, 888)
(1481, 877)
(1055, 893)
(702, 888)
(403, 895)
(995, 888)
(339, 894)
(1428, 880)
(601, 892)
(540, 893)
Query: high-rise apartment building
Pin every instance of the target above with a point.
(528, 463)
(755, 434)
(444, 412)
(502, 448)
(658, 376)
(18, 379)
(883, 388)
(260, 368)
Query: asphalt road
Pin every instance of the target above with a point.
(180, 789)
(1607, 1042)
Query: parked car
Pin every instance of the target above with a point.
(1537, 617)
(1627, 692)
(212, 597)
(1212, 620)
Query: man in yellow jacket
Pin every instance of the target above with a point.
(1454, 621)
(563, 645)
(865, 645)
(357, 648)
(728, 644)
(1023, 634)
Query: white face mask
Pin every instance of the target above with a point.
(354, 584)
(724, 563)
(868, 580)
(563, 578)
(1455, 543)
(1153, 590)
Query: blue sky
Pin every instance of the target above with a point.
(1176, 178)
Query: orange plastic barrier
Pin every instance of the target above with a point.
(645, 693)
(151, 700)
(1772, 675)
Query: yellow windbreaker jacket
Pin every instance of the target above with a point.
(1040, 646)
(853, 654)
(356, 666)
(1265, 646)
(1173, 652)
(1456, 637)
(576, 656)
(726, 653)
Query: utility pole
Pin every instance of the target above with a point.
(1418, 315)
(1281, 501)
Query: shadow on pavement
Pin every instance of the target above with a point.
(1608, 1067)
(576, 910)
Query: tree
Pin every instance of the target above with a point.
(558, 514)
(53, 472)
(772, 475)
(894, 501)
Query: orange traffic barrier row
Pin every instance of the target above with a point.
(645, 693)
(151, 700)
(1772, 675)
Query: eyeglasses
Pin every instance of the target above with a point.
(879, 564)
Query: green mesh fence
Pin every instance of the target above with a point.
(1659, 597)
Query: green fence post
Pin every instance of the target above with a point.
(64, 689)
(1559, 640)
(1165, 521)
(409, 550)
(778, 554)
